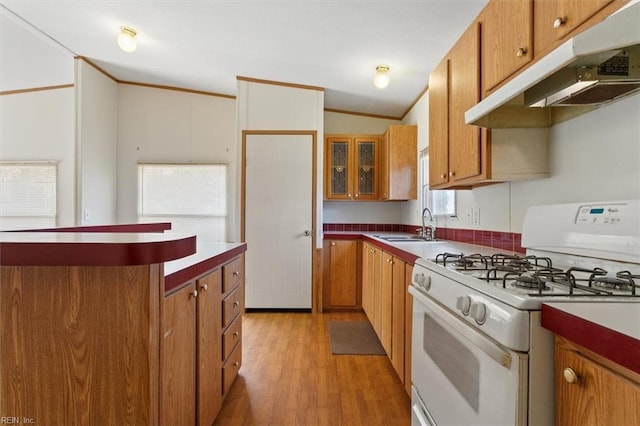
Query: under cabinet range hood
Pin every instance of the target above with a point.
(597, 66)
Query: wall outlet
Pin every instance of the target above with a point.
(86, 215)
(475, 216)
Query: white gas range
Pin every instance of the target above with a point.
(479, 354)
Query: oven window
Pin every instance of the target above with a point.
(455, 361)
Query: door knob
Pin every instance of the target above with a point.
(307, 233)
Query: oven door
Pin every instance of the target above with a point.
(461, 376)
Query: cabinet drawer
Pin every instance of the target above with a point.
(233, 274)
(231, 307)
(231, 368)
(231, 337)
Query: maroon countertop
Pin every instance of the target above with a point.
(611, 330)
(92, 248)
(207, 257)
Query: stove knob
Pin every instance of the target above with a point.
(464, 304)
(479, 312)
(424, 281)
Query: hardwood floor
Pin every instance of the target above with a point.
(290, 377)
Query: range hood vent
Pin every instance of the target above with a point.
(593, 68)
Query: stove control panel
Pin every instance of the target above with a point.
(601, 214)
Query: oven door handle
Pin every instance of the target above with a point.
(457, 327)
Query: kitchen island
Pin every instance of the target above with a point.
(82, 320)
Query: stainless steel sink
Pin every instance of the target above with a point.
(404, 238)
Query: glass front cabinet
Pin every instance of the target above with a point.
(351, 168)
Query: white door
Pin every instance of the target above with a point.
(278, 220)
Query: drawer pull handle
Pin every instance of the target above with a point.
(570, 375)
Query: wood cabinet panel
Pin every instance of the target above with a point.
(598, 396)
(439, 125)
(209, 347)
(68, 357)
(507, 39)
(231, 337)
(399, 163)
(398, 316)
(465, 143)
(341, 274)
(233, 273)
(556, 21)
(230, 369)
(231, 307)
(408, 324)
(178, 358)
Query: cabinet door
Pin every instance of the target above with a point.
(386, 302)
(465, 150)
(209, 380)
(398, 316)
(399, 153)
(554, 20)
(366, 167)
(597, 397)
(408, 324)
(439, 125)
(341, 286)
(507, 39)
(339, 175)
(178, 358)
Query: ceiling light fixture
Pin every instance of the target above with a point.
(381, 77)
(127, 39)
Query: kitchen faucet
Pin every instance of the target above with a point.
(432, 228)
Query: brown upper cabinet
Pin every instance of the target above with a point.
(461, 155)
(556, 20)
(456, 150)
(399, 162)
(507, 39)
(351, 167)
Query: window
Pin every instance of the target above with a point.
(193, 197)
(441, 202)
(28, 195)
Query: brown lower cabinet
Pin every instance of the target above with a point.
(591, 390)
(200, 347)
(341, 277)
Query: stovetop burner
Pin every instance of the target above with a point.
(536, 276)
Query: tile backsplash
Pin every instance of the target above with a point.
(501, 240)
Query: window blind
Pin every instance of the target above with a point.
(28, 194)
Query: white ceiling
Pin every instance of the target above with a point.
(204, 45)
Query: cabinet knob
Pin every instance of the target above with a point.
(194, 294)
(452, 173)
(333, 244)
(443, 176)
(236, 304)
(236, 273)
(349, 195)
(570, 375)
(559, 21)
(521, 52)
(235, 335)
(357, 195)
(204, 287)
(236, 364)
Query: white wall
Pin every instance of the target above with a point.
(593, 157)
(156, 125)
(38, 126)
(96, 133)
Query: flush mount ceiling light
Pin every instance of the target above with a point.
(381, 77)
(127, 39)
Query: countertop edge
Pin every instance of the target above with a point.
(93, 252)
(203, 261)
(617, 347)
